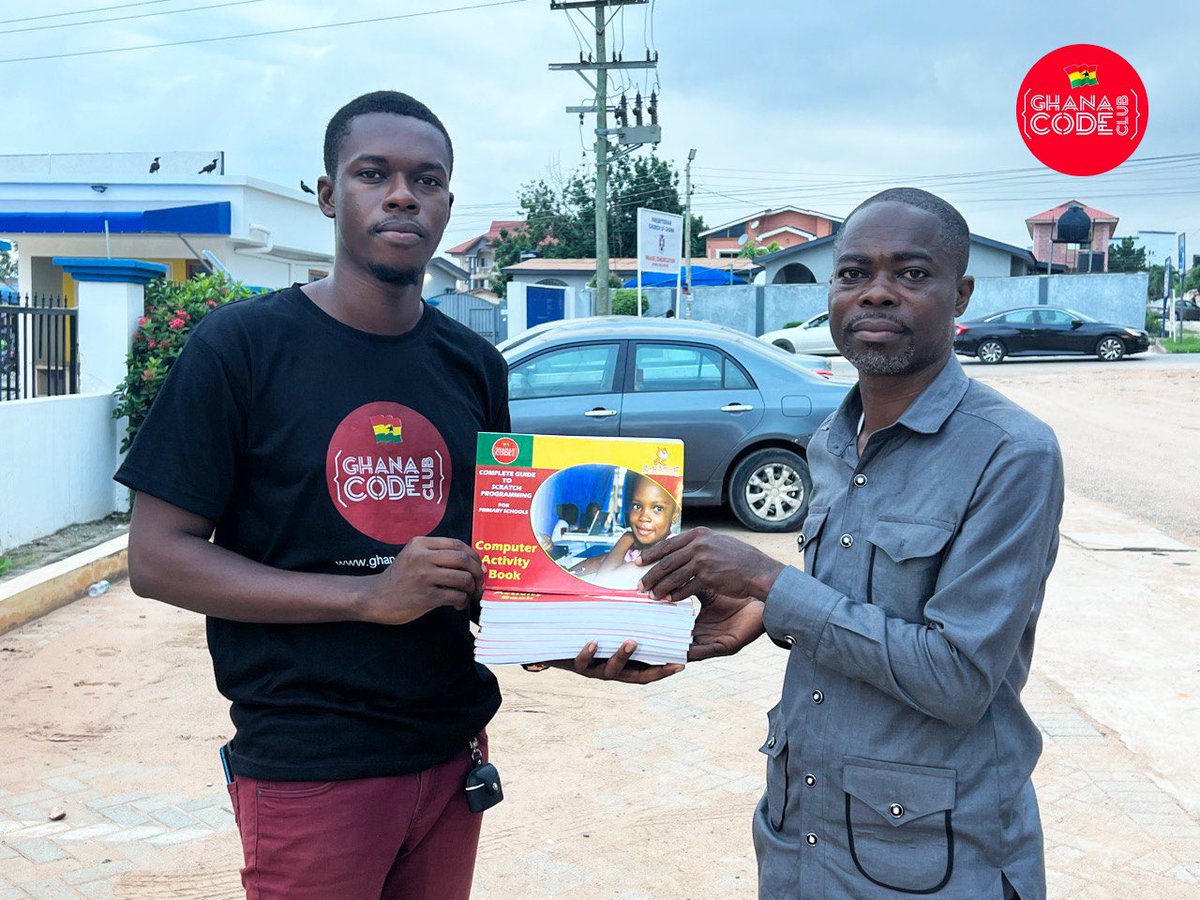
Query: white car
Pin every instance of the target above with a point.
(810, 336)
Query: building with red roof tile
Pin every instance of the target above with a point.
(1093, 258)
(477, 255)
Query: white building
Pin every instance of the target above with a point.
(1159, 246)
(110, 205)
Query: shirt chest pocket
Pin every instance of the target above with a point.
(906, 555)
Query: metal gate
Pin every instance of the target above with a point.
(481, 316)
(39, 348)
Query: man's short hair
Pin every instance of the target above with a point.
(955, 236)
(392, 102)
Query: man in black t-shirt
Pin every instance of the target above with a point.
(317, 433)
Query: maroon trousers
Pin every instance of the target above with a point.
(405, 837)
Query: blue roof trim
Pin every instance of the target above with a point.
(199, 218)
(132, 271)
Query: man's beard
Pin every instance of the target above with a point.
(872, 361)
(401, 276)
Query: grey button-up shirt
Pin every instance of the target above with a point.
(899, 757)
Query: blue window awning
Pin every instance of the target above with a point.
(199, 218)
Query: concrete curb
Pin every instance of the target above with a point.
(32, 595)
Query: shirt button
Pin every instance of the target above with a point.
(847, 540)
(810, 839)
(896, 810)
(860, 480)
(817, 697)
(771, 741)
(810, 780)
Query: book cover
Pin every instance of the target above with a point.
(564, 517)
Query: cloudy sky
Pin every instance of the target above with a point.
(812, 104)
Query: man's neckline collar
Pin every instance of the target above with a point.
(925, 415)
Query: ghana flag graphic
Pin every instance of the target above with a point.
(387, 429)
(1081, 76)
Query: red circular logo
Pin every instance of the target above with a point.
(388, 472)
(1082, 110)
(505, 451)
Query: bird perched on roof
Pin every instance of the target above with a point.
(154, 166)
(304, 187)
(209, 169)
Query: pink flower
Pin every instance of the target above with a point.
(211, 304)
(152, 343)
(147, 375)
(176, 323)
(143, 320)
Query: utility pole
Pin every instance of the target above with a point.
(629, 138)
(687, 226)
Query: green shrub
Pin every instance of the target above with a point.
(624, 302)
(172, 311)
(4, 565)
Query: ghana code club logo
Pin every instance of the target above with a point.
(388, 472)
(1082, 109)
(505, 451)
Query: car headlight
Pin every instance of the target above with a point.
(1135, 332)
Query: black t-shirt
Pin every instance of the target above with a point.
(316, 447)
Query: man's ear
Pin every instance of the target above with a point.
(325, 196)
(966, 287)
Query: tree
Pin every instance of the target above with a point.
(8, 267)
(560, 213)
(1192, 281)
(1154, 288)
(751, 250)
(1124, 257)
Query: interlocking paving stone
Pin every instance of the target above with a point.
(38, 850)
(103, 870)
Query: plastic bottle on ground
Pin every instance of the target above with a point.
(98, 588)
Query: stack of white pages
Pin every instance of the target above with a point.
(521, 628)
(560, 525)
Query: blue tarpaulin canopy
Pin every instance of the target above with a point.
(700, 275)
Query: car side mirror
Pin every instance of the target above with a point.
(1077, 323)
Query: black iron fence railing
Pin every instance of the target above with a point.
(39, 348)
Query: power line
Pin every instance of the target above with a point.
(80, 12)
(161, 12)
(231, 37)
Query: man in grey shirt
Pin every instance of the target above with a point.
(899, 758)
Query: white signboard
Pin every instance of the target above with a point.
(660, 241)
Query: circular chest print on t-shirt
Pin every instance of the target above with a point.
(388, 472)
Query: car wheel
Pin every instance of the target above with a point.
(770, 490)
(990, 352)
(784, 345)
(1110, 349)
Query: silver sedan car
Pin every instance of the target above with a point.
(744, 411)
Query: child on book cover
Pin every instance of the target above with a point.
(652, 514)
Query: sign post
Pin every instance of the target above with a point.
(659, 248)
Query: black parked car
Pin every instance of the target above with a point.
(1046, 331)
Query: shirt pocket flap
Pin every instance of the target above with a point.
(776, 741)
(813, 523)
(900, 793)
(909, 539)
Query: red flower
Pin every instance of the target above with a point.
(143, 320)
(147, 375)
(152, 343)
(176, 323)
(211, 304)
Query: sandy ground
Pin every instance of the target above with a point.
(623, 792)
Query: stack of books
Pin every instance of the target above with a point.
(560, 523)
